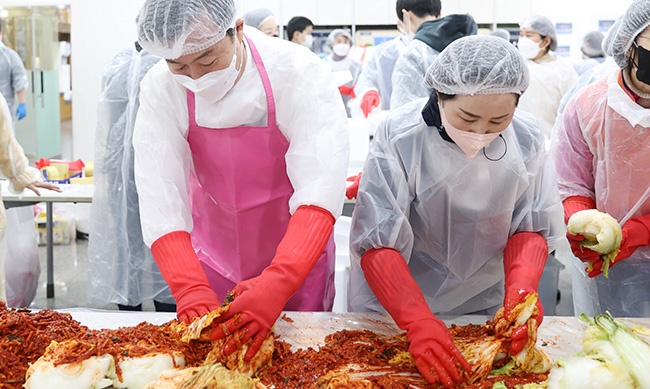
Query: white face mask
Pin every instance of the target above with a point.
(309, 41)
(212, 86)
(470, 142)
(341, 49)
(528, 48)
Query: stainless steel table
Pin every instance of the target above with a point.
(70, 193)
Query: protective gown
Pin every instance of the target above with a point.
(311, 120)
(378, 71)
(121, 269)
(601, 147)
(350, 64)
(550, 79)
(448, 215)
(432, 37)
(13, 76)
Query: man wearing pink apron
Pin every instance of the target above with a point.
(237, 196)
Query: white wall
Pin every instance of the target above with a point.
(101, 28)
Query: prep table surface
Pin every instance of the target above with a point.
(559, 336)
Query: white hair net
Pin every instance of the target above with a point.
(543, 26)
(257, 17)
(608, 42)
(335, 34)
(635, 20)
(501, 33)
(592, 44)
(478, 64)
(173, 28)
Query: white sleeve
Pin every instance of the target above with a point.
(312, 116)
(162, 158)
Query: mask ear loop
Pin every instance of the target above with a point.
(502, 155)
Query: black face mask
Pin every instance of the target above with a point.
(643, 64)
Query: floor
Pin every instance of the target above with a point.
(70, 264)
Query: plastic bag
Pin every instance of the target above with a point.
(22, 265)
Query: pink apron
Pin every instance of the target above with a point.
(239, 195)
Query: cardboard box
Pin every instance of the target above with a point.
(62, 230)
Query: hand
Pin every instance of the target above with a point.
(519, 336)
(44, 185)
(347, 90)
(352, 189)
(635, 233)
(21, 111)
(180, 267)
(195, 302)
(252, 313)
(435, 353)
(259, 301)
(583, 253)
(436, 356)
(369, 101)
(523, 262)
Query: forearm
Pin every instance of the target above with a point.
(21, 96)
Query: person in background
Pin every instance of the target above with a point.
(501, 33)
(241, 152)
(374, 86)
(262, 19)
(431, 34)
(299, 30)
(340, 42)
(13, 77)
(594, 73)
(15, 167)
(121, 269)
(550, 76)
(456, 199)
(601, 157)
(592, 52)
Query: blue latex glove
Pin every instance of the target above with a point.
(21, 111)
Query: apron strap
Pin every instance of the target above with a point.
(270, 99)
(268, 90)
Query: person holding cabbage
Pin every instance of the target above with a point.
(602, 161)
(457, 204)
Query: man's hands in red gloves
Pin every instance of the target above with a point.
(259, 301)
(182, 271)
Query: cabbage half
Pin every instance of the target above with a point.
(602, 234)
(611, 357)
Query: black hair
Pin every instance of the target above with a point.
(297, 24)
(420, 8)
(446, 97)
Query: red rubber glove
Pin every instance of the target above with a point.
(369, 101)
(572, 205)
(436, 356)
(352, 190)
(635, 233)
(182, 271)
(523, 262)
(347, 90)
(259, 301)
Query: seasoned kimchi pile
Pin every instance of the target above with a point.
(350, 359)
